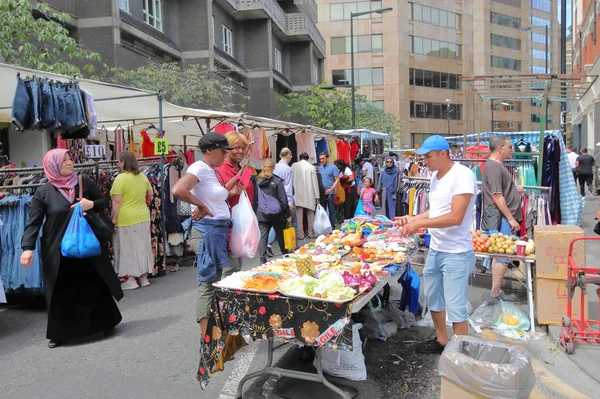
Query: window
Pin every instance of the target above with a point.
(505, 63)
(278, 62)
(124, 5)
(376, 104)
(540, 54)
(153, 13)
(364, 77)
(505, 20)
(538, 69)
(512, 3)
(507, 106)
(497, 125)
(213, 31)
(537, 118)
(341, 12)
(505, 41)
(538, 103)
(435, 48)
(438, 80)
(537, 21)
(434, 16)
(542, 5)
(227, 40)
(362, 44)
(316, 73)
(539, 38)
(427, 110)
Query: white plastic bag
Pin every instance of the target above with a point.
(245, 235)
(322, 225)
(345, 364)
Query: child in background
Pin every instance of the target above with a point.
(367, 194)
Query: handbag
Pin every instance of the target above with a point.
(289, 237)
(184, 209)
(101, 225)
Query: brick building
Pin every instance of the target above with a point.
(266, 46)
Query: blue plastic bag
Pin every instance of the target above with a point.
(79, 240)
(411, 285)
(359, 209)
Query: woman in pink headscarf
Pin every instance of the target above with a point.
(79, 292)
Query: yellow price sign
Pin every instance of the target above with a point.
(161, 146)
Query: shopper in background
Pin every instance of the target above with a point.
(501, 204)
(388, 187)
(585, 172)
(131, 194)
(230, 169)
(572, 157)
(271, 207)
(284, 172)
(348, 182)
(368, 195)
(306, 194)
(201, 188)
(79, 292)
(451, 258)
(367, 169)
(330, 175)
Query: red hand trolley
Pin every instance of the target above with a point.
(583, 330)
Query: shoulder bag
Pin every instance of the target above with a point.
(101, 225)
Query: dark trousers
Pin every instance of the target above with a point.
(583, 180)
(350, 203)
(331, 212)
(264, 228)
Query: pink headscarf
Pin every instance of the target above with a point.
(52, 162)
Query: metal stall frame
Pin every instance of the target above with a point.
(546, 87)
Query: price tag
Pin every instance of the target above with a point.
(95, 151)
(161, 146)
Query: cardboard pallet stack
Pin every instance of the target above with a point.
(552, 252)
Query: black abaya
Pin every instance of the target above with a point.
(79, 292)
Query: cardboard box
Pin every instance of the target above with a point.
(552, 250)
(451, 390)
(551, 301)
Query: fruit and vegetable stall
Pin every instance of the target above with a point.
(305, 298)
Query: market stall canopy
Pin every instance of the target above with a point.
(114, 104)
(365, 134)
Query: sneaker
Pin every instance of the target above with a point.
(130, 284)
(270, 253)
(144, 281)
(431, 346)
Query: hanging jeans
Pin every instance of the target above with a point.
(21, 108)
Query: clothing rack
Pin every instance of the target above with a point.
(427, 179)
(21, 187)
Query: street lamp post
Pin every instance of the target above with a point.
(352, 86)
(448, 110)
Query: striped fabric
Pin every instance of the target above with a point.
(571, 203)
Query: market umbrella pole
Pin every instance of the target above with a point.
(162, 175)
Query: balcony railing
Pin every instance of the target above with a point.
(309, 7)
(301, 25)
(273, 10)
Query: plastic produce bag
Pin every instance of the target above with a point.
(245, 235)
(411, 285)
(346, 364)
(289, 237)
(322, 225)
(489, 368)
(79, 240)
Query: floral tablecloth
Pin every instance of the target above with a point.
(238, 317)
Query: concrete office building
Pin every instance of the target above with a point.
(410, 61)
(266, 46)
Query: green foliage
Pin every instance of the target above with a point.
(332, 109)
(197, 86)
(34, 37)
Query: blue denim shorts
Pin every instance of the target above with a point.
(446, 282)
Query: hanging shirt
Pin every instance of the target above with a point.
(332, 149)
(147, 145)
(320, 147)
(343, 150)
(459, 180)
(354, 149)
(306, 143)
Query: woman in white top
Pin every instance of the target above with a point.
(212, 217)
(349, 185)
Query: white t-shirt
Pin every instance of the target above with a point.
(369, 168)
(458, 180)
(572, 159)
(209, 190)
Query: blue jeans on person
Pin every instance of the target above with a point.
(446, 282)
(331, 212)
(213, 251)
(504, 229)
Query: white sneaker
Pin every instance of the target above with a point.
(144, 281)
(130, 284)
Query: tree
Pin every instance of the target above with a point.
(35, 37)
(332, 109)
(197, 86)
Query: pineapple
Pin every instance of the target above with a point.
(305, 266)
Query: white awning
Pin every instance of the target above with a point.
(365, 134)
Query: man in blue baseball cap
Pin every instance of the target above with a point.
(450, 259)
